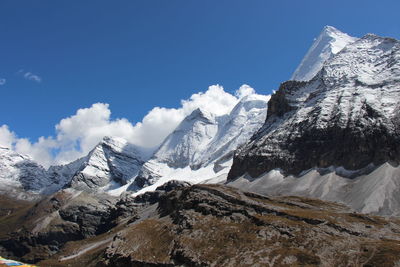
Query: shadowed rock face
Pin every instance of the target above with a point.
(40, 231)
(348, 115)
(206, 225)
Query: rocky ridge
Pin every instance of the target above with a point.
(175, 225)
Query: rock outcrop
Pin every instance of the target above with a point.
(203, 225)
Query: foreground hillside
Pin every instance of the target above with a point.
(200, 225)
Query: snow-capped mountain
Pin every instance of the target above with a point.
(112, 163)
(330, 42)
(203, 138)
(236, 129)
(186, 144)
(20, 173)
(347, 116)
(202, 146)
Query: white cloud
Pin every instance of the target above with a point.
(29, 76)
(7, 138)
(78, 134)
(32, 77)
(214, 100)
(40, 151)
(3, 81)
(244, 90)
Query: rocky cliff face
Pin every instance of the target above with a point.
(201, 225)
(348, 115)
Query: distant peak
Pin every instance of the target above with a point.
(330, 29)
(112, 139)
(371, 36)
(200, 113)
(333, 34)
(329, 42)
(107, 138)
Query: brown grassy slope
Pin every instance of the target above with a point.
(215, 225)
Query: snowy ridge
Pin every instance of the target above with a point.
(326, 45)
(112, 163)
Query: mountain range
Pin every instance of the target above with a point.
(201, 147)
(331, 133)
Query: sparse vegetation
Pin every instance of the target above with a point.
(214, 225)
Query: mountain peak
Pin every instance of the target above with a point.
(199, 113)
(331, 30)
(329, 42)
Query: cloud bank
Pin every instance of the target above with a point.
(76, 135)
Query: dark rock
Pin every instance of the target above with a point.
(172, 185)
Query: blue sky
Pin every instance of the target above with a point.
(60, 56)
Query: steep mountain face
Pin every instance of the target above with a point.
(330, 42)
(347, 116)
(112, 163)
(200, 225)
(185, 146)
(202, 145)
(236, 129)
(19, 173)
(202, 138)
